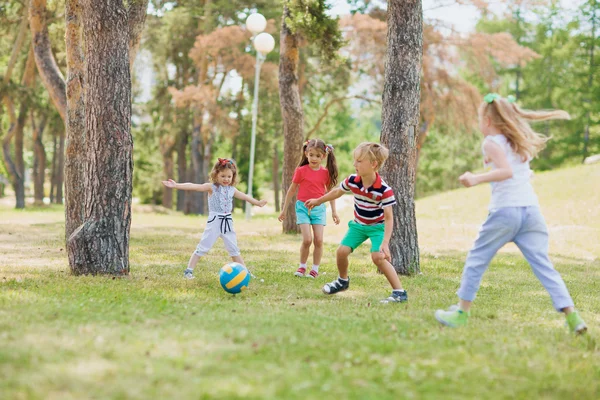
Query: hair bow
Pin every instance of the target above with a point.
(328, 148)
(225, 161)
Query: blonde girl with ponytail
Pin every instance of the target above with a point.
(514, 214)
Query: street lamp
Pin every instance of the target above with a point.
(263, 43)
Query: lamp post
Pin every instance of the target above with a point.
(263, 43)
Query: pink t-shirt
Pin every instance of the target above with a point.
(312, 184)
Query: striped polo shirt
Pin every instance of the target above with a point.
(369, 202)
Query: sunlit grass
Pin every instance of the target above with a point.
(156, 335)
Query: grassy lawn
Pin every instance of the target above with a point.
(156, 335)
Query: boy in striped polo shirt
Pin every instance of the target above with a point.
(373, 218)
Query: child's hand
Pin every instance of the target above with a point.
(468, 179)
(385, 249)
(336, 219)
(281, 216)
(169, 183)
(261, 203)
(312, 203)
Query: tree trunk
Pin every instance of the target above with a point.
(39, 160)
(16, 167)
(101, 244)
(53, 169)
(291, 112)
(166, 149)
(193, 200)
(47, 68)
(60, 170)
(182, 142)
(75, 124)
(276, 177)
(400, 125)
(137, 12)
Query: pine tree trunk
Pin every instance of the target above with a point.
(182, 142)
(291, 112)
(74, 157)
(101, 244)
(400, 128)
(46, 64)
(276, 178)
(53, 169)
(60, 170)
(39, 161)
(166, 151)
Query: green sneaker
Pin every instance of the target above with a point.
(576, 323)
(453, 319)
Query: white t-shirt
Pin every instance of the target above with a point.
(516, 191)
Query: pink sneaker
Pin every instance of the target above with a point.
(312, 274)
(300, 272)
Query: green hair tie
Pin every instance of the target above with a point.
(490, 97)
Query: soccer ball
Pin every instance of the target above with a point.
(234, 277)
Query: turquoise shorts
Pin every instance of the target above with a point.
(316, 216)
(358, 233)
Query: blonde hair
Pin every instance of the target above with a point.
(512, 121)
(374, 151)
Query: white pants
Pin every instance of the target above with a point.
(218, 225)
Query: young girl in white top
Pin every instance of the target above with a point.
(514, 214)
(220, 205)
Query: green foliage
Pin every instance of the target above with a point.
(444, 157)
(309, 18)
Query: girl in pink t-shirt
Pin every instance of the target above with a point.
(311, 181)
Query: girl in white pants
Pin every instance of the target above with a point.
(220, 205)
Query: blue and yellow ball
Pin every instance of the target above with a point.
(234, 277)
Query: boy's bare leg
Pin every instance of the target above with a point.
(342, 260)
(387, 269)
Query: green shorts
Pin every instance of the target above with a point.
(358, 233)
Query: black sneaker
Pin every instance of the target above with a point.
(336, 286)
(396, 297)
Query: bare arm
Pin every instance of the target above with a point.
(502, 172)
(292, 190)
(334, 215)
(331, 196)
(198, 187)
(243, 196)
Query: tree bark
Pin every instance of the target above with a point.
(53, 169)
(276, 177)
(400, 125)
(166, 149)
(137, 17)
(39, 160)
(101, 244)
(74, 160)
(291, 112)
(47, 68)
(60, 171)
(16, 167)
(182, 142)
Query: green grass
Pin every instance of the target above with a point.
(156, 335)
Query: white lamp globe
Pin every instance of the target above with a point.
(256, 23)
(264, 43)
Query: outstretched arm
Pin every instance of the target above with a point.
(288, 199)
(243, 196)
(198, 187)
(502, 172)
(332, 195)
